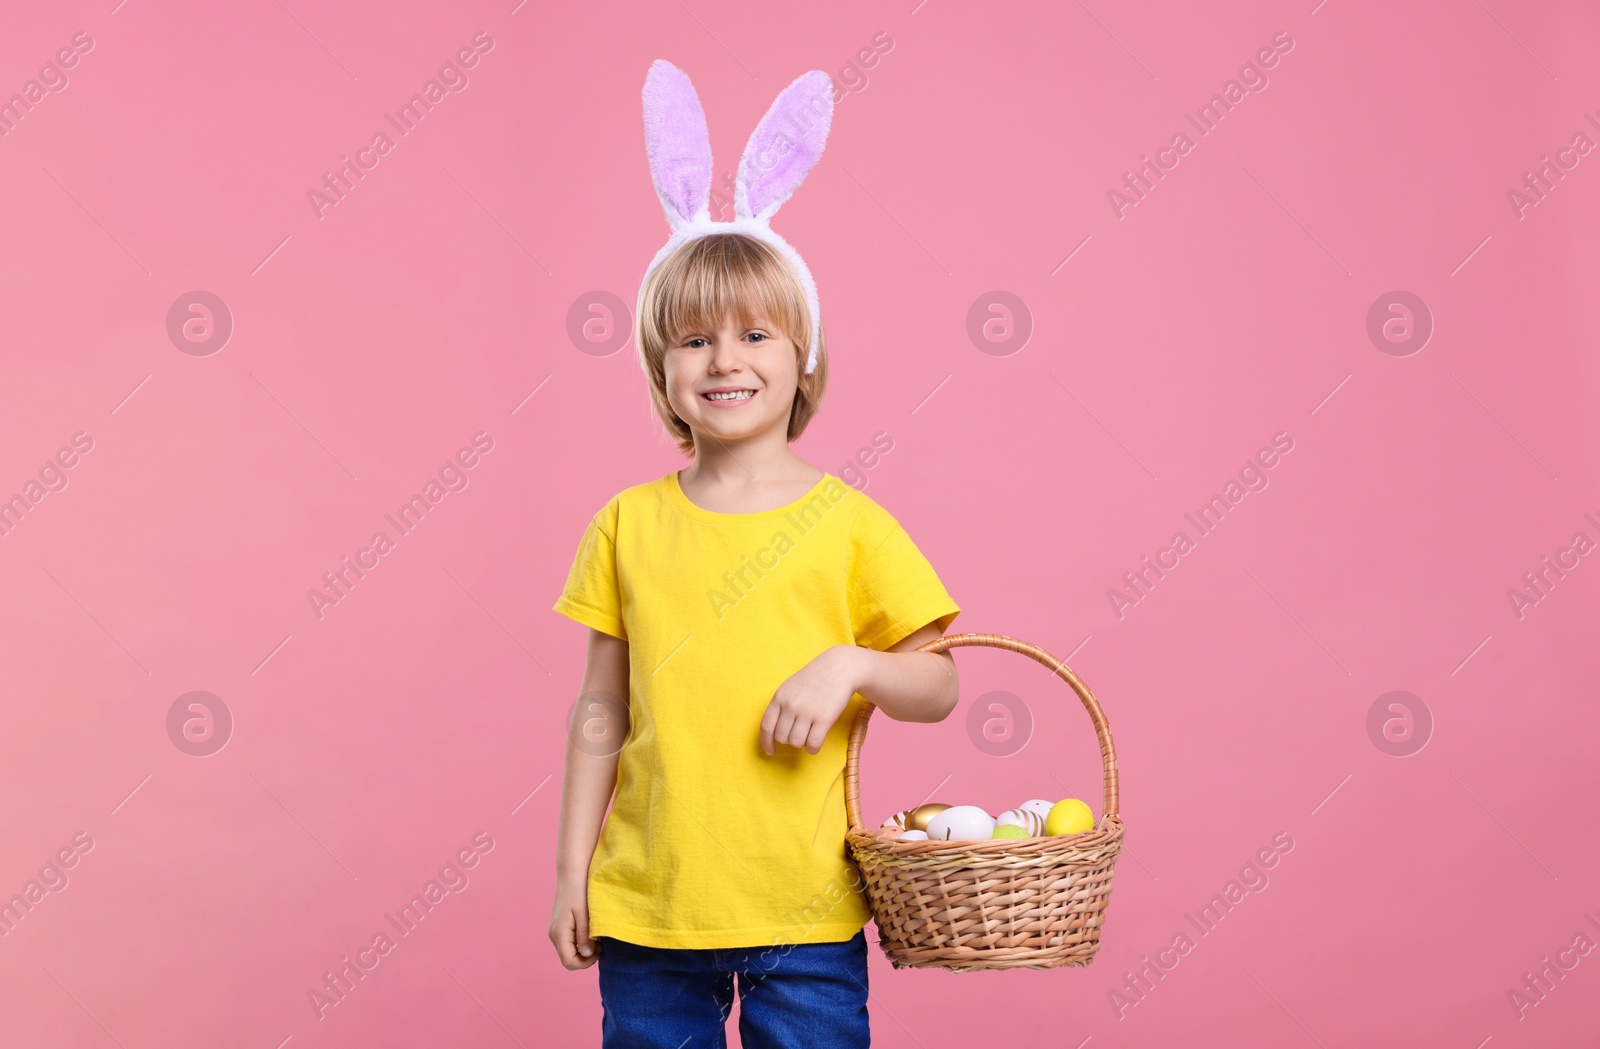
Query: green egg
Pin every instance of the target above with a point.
(1006, 830)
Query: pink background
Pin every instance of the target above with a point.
(368, 745)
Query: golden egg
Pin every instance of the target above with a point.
(917, 818)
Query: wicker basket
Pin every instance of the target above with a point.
(1009, 903)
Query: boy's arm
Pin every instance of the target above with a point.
(594, 737)
(908, 685)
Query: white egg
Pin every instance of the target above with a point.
(1038, 806)
(897, 820)
(1027, 819)
(961, 822)
(913, 835)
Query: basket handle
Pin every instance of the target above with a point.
(1102, 728)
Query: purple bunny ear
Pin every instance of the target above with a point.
(677, 143)
(784, 146)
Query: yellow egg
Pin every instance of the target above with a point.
(1009, 830)
(917, 818)
(1069, 816)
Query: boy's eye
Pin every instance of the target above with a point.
(694, 342)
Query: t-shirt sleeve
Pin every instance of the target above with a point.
(592, 595)
(898, 593)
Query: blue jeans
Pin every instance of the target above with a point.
(793, 996)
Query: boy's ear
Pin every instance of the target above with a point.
(808, 382)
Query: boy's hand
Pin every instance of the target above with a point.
(569, 925)
(809, 703)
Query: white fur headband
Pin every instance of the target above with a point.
(782, 149)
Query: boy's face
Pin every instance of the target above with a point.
(756, 365)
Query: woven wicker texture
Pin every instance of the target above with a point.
(966, 906)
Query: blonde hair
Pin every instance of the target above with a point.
(713, 277)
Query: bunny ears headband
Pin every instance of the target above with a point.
(781, 150)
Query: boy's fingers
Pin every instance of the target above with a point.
(784, 728)
(769, 721)
(572, 937)
(558, 940)
(799, 729)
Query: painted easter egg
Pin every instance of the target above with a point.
(1039, 806)
(917, 818)
(1069, 816)
(961, 822)
(1027, 820)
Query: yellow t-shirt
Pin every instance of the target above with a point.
(709, 842)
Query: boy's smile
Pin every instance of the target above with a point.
(729, 396)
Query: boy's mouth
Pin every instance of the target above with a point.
(728, 396)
